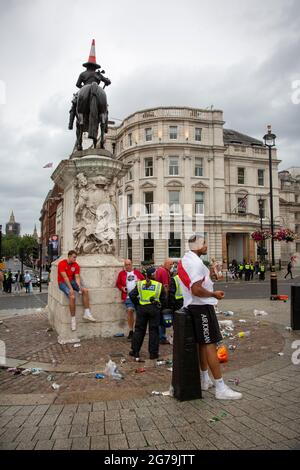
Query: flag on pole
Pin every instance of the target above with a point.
(242, 204)
(48, 165)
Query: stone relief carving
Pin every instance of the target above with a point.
(95, 215)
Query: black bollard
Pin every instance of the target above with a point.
(295, 307)
(186, 371)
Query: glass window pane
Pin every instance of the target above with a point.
(148, 202)
(148, 167)
(148, 247)
(198, 133)
(173, 166)
(260, 177)
(174, 245)
(148, 134)
(241, 175)
(198, 166)
(129, 205)
(173, 132)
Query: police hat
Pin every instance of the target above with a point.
(150, 271)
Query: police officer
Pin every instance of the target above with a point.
(262, 270)
(149, 297)
(241, 270)
(251, 270)
(247, 272)
(175, 294)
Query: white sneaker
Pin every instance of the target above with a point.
(73, 323)
(227, 393)
(89, 317)
(206, 384)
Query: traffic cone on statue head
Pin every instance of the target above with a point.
(92, 58)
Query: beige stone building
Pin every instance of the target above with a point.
(188, 170)
(290, 209)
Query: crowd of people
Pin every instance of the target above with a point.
(150, 299)
(247, 270)
(10, 282)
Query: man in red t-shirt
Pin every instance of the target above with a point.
(126, 282)
(163, 276)
(68, 278)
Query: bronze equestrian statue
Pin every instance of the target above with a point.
(89, 105)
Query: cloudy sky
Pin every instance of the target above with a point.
(242, 56)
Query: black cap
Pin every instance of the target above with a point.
(150, 271)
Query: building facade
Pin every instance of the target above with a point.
(290, 209)
(48, 219)
(190, 174)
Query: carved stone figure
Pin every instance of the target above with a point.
(95, 216)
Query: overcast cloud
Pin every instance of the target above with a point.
(241, 56)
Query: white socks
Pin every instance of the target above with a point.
(220, 384)
(204, 375)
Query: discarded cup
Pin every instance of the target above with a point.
(140, 371)
(280, 354)
(225, 323)
(228, 313)
(155, 393)
(26, 372)
(36, 371)
(259, 313)
(288, 328)
(242, 321)
(77, 345)
(160, 363)
(55, 386)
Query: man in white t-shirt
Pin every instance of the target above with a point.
(200, 299)
(126, 282)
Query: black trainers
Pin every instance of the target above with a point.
(133, 354)
(154, 356)
(129, 337)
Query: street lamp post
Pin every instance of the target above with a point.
(262, 245)
(269, 139)
(0, 243)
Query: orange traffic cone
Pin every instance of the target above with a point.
(92, 57)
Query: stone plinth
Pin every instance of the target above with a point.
(98, 274)
(89, 225)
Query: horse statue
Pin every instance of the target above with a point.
(89, 105)
(91, 111)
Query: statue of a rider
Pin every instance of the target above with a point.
(90, 75)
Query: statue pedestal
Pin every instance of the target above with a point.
(98, 273)
(89, 180)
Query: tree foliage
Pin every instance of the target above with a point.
(22, 247)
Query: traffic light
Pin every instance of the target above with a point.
(35, 252)
(261, 251)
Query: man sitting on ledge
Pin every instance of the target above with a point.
(69, 281)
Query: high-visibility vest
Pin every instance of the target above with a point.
(241, 267)
(262, 269)
(147, 292)
(247, 266)
(178, 293)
